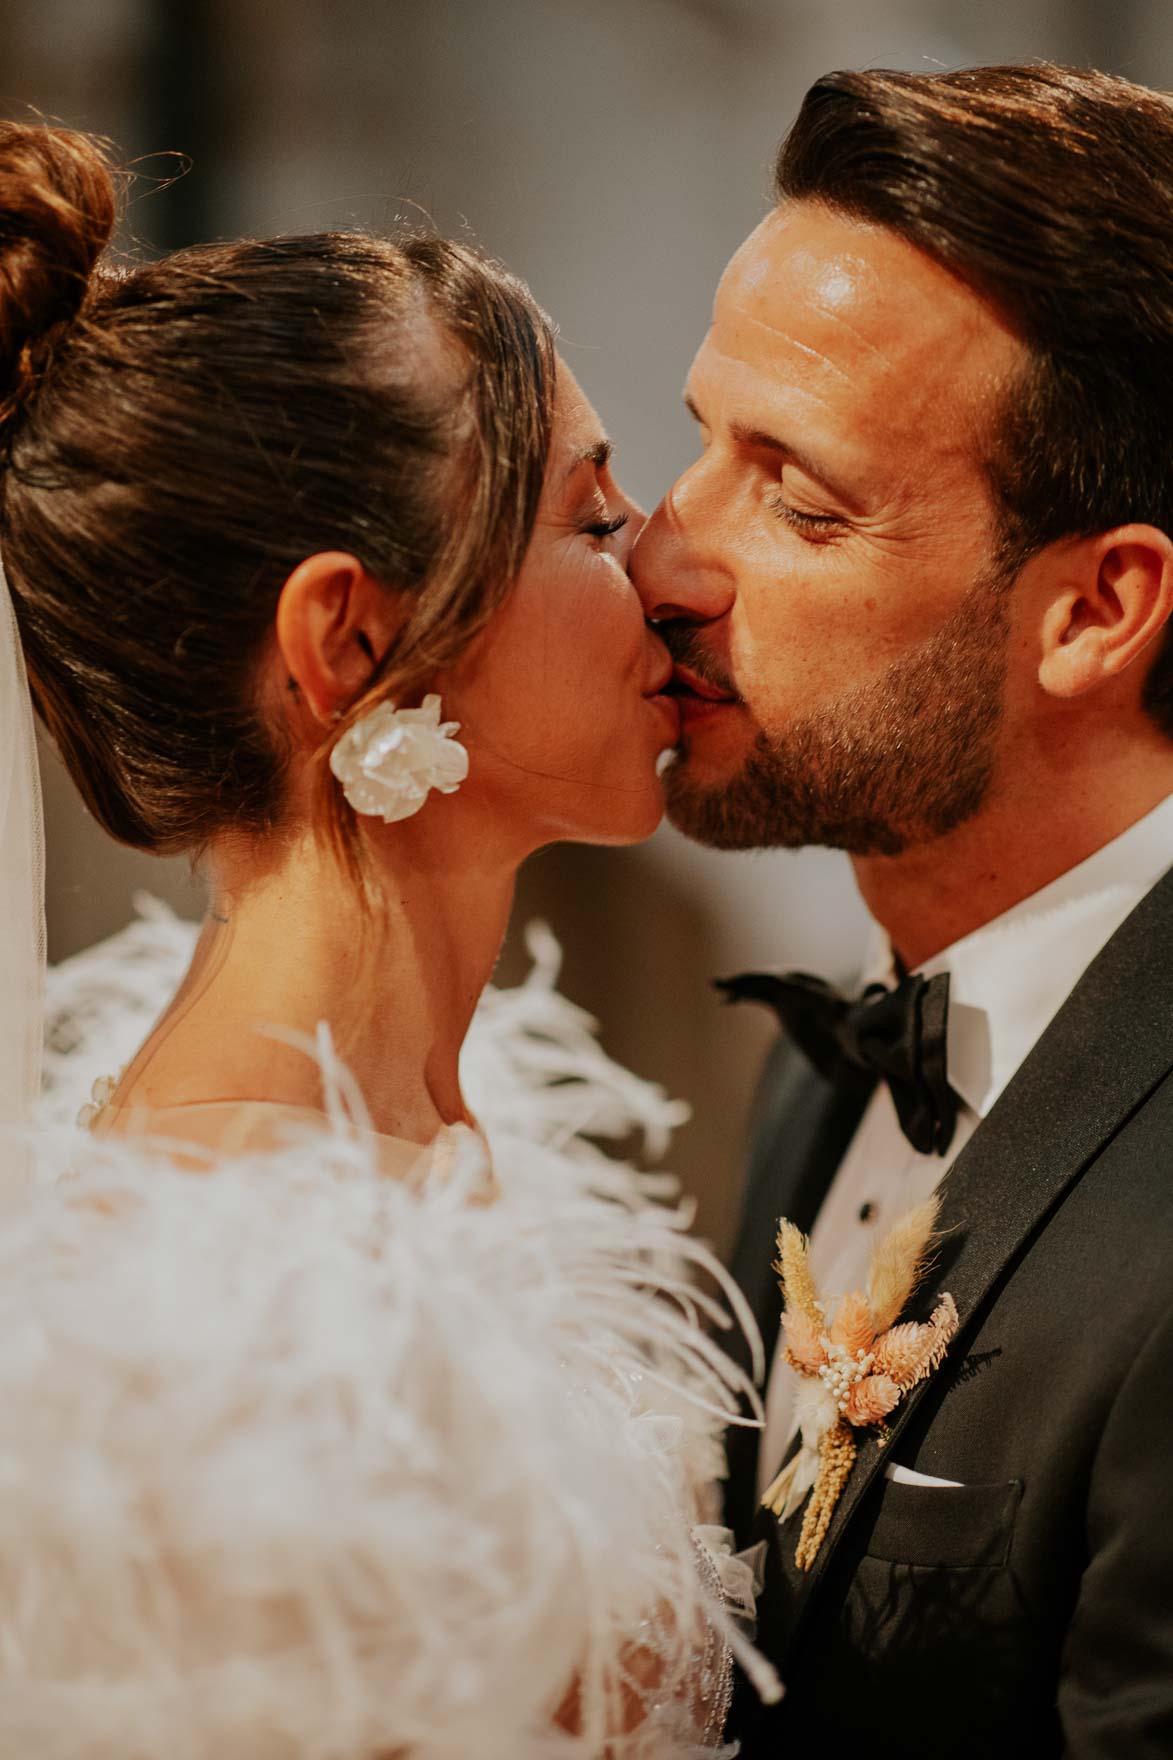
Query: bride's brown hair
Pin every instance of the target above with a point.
(179, 436)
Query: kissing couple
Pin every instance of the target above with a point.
(345, 1411)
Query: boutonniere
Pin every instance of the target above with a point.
(856, 1366)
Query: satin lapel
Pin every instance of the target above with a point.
(1105, 1051)
(804, 1127)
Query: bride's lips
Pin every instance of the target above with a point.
(657, 695)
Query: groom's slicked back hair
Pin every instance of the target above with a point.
(1050, 191)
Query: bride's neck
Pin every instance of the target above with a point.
(288, 943)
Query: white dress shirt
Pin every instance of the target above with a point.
(1007, 981)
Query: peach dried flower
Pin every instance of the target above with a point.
(910, 1352)
(899, 1352)
(854, 1327)
(871, 1399)
(804, 1342)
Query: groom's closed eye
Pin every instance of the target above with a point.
(753, 438)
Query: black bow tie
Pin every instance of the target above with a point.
(898, 1035)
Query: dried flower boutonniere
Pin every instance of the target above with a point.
(855, 1368)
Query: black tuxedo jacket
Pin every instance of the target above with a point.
(1029, 1613)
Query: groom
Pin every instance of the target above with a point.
(918, 587)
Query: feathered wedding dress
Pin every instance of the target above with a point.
(301, 1462)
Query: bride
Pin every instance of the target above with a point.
(391, 1435)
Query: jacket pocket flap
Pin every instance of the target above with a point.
(954, 1526)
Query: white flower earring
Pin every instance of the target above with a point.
(389, 761)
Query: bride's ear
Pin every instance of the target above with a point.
(334, 625)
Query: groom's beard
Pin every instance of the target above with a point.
(882, 767)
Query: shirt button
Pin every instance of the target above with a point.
(866, 1212)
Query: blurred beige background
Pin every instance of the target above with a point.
(613, 154)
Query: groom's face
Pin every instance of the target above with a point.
(825, 571)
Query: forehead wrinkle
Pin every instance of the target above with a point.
(804, 348)
(847, 273)
(761, 401)
(746, 371)
(854, 331)
(916, 390)
(853, 289)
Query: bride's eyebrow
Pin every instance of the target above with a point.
(599, 454)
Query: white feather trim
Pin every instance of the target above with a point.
(531, 1065)
(296, 1460)
(299, 1462)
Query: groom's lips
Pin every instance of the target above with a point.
(690, 689)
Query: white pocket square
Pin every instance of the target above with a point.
(906, 1476)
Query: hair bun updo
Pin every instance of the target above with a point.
(57, 210)
(200, 424)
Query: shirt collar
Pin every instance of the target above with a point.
(1008, 979)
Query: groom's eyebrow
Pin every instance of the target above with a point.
(599, 455)
(759, 440)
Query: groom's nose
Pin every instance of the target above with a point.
(675, 573)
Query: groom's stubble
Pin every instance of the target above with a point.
(881, 767)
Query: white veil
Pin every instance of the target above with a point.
(22, 885)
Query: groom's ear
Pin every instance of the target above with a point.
(1112, 597)
(334, 625)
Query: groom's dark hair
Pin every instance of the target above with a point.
(1050, 191)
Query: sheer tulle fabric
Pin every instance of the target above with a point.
(22, 891)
